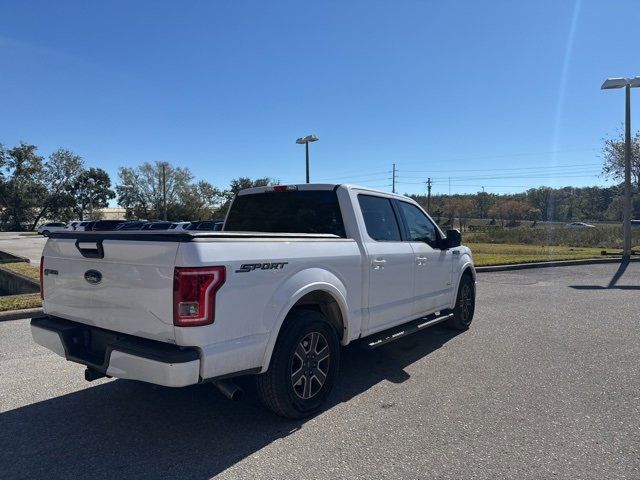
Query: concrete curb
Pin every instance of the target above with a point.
(17, 314)
(557, 263)
(12, 257)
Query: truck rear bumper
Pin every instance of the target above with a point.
(118, 355)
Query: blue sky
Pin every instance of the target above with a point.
(500, 94)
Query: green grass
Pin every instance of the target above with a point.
(502, 254)
(26, 269)
(603, 236)
(19, 302)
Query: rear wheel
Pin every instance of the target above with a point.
(465, 304)
(303, 368)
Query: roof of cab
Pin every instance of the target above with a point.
(317, 186)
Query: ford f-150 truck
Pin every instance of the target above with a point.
(296, 272)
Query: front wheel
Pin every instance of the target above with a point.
(465, 304)
(303, 368)
(45, 233)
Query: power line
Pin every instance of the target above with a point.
(510, 155)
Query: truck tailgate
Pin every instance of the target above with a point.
(129, 289)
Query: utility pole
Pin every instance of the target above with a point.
(164, 189)
(428, 194)
(449, 186)
(393, 179)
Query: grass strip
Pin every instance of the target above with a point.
(485, 254)
(26, 269)
(20, 302)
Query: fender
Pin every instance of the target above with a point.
(465, 262)
(292, 290)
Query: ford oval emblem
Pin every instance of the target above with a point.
(94, 277)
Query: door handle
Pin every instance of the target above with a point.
(378, 263)
(420, 260)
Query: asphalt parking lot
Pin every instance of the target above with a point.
(546, 384)
(29, 246)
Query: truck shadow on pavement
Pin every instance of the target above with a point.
(125, 429)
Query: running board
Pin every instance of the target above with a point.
(396, 333)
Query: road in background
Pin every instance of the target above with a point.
(544, 385)
(29, 246)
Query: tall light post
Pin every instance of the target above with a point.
(306, 141)
(628, 84)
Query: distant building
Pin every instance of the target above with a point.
(111, 213)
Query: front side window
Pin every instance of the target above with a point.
(419, 227)
(379, 218)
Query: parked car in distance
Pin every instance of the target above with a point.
(157, 226)
(49, 227)
(131, 225)
(72, 225)
(105, 225)
(180, 226)
(299, 271)
(206, 226)
(579, 225)
(635, 223)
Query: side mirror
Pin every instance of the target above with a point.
(454, 239)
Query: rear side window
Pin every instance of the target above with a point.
(379, 218)
(297, 211)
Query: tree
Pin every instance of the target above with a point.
(484, 202)
(460, 207)
(613, 155)
(59, 174)
(200, 201)
(91, 190)
(142, 192)
(514, 210)
(242, 183)
(21, 189)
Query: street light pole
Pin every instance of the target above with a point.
(628, 84)
(626, 240)
(306, 140)
(306, 150)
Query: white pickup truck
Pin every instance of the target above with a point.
(296, 272)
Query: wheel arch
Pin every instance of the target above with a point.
(327, 296)
(466, 269)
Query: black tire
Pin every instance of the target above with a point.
(45, 233)
(292, 387)
(465, 305)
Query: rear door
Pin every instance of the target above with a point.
(128, 290)
(390, 264)
(433, 265)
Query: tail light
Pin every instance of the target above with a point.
(42, 277)
(194, 295)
